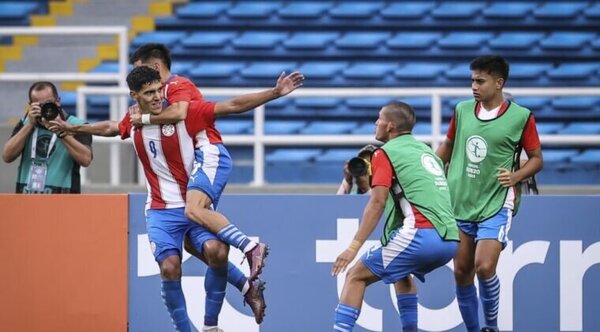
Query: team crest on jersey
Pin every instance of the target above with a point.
(476, 148)
(431, 165)
(168, 130)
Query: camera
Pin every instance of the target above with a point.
(49, 110)
(358, 166)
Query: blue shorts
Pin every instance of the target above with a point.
(494, 228)
(166, 229)
(415, 251)
(212, 167)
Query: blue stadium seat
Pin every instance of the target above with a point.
(253, 9)
(367, 128)
(169, 38)
(372, 70)
(547, 128)
(596, 43)
(459, 72)
(283, 127)
(318, 102)
(533, 103)
(322, 70)
(310, 40)
(362, 40)
(17, 10)
(369, 103)
(181, 67)
(467, 40)
(576, 103)
(558, 156)
(106, 67)
(202, 10)
(567, 40)
(427, 71)
(292, 155)
(418, 103)
(355, 10)
(456, 10)
(204, 39)
(507, 10)
(579, 71)
(259, 39)
(267, 69)
(234, 127)
(581, 128)
(413, 40)
(303, 10)
(557, 10)
(528, 71)
(516, 40)
(337, 155)
(593, 12)
(407, 10)
(588, 157)
(216, 69)
(424, 128)
(328, 128)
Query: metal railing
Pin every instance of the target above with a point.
(259, 139)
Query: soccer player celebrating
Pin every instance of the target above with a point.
(420, 232)
(484, 140)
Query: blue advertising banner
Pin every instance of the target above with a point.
(549, 271)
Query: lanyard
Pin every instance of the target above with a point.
(34, 144)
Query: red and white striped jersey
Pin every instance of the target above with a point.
(166, 153)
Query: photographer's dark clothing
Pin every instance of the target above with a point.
(47, 154)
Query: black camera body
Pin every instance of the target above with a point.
(358, 166)
(49, 110)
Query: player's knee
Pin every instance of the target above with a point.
(485, 269)
(216, 253)
(463, 273)
(170, 268)
(354, 274)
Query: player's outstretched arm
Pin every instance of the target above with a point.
(174, 113)
(240, 104)
(106, 128)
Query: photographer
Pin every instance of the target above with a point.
(357, 172)
(49, 161)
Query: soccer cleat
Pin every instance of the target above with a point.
(254, 297)
(489, 329)
(212, 329)
(256, 259)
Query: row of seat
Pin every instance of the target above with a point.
(370, 13)
(18, 12)
(359, 73)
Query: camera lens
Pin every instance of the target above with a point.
(49, 111)
(357, 166)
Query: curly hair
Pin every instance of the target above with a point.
(141, 76)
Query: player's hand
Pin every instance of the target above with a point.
(59, 127)
(34, 112)
(341, 263)
(286, 84)
(135, 115)
(506, 177)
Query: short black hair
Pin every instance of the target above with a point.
(141, 76)
(491, 64)
(152, 51)
(41, 85)
(402, 114)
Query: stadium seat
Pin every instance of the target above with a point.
(106, 67)
(534, 104)
(558, 156)
(283, 127)
(181, 67)
(547, 128)
(318, 102)
(169, 38)
(559, 10)
(259, 39)
(588, 157)
(202, 10)
(304, 10)
(216, 69)
(17, 10)
(337, 155)
(322, 70)
(465, 40)
(567, 40)
(528, 71)
(253, 9)
(579, 71)
(407, 10)
(310, 40)
(593, 12)
(413, 40)
(457, 10)
(516, 40)
(267, 69)
(368, 103)
(508, 10)
(459, 72)
(581, 128)
(205, 39)
(426, 71)
(234, 127)
(367, 128)
(356, 10)
(292, 155)
(328, 128)
(371, 70)
(362, 40)
(576, 103)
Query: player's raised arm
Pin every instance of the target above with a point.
(285, 85)
(106, 128)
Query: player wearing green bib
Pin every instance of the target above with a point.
(484, 141)
(408, 182)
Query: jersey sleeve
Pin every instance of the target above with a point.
(179, 90)
(201, 115)
(125, 127)
(451, 129)
(381, 168)
(530, 139)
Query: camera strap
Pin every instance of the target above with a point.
(38, 170)
(34, 144)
